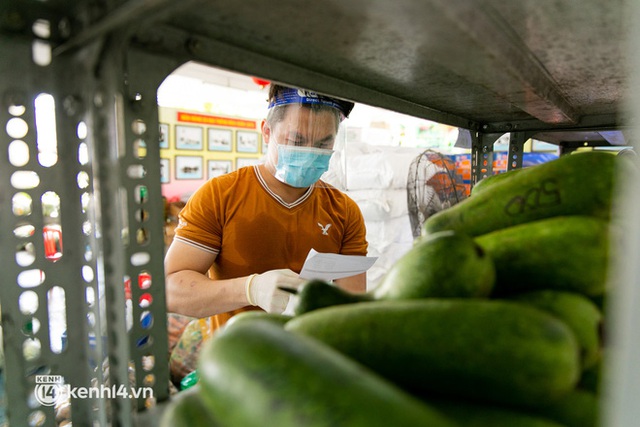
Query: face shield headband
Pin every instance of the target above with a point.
(299, 96)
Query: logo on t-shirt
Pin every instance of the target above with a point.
(324, 228)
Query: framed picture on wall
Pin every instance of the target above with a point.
(165, 173)
(247, 142)
(189, 167)
(164, 135)
(189, 137)
(246, 161)
(220, 139)
(218, 167)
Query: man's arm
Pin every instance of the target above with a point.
(356, 284)
(190, 292)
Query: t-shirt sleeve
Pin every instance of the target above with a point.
(199, 222)
(355, 239)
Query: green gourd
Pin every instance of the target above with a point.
(445, 265)
(491, 180)
(187, 409)
(563, 253)
(257, 374)
(578, 312)
(468, 414)
(253, 315)
(494, 350)
(579, 408)
(575, 184)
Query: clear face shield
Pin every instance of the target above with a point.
(302, 136)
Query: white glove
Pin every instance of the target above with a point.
(262, 289)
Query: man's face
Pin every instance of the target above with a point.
(305, 139)
(303, 127)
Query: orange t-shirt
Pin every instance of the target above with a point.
(251, 230)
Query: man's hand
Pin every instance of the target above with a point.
(262, 289)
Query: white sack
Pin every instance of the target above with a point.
(379, 205)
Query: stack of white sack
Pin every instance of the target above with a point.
(375, 177)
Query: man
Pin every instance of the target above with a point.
(243, 235)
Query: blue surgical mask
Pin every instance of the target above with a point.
(301, 166)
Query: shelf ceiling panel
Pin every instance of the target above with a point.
(487, 61)
(483, 64)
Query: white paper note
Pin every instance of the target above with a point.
(334, 266)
